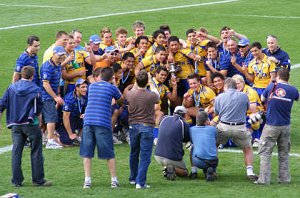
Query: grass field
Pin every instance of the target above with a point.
(255, 18)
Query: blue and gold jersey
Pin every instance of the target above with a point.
(261, 71)
(203, 97)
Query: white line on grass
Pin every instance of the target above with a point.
(5, 149)
(32, 6)
(266, 16)
(117, 14)
(295, 66)
(255, 152)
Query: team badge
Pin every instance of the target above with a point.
(18, 68)
(45, 76)
(280, 92)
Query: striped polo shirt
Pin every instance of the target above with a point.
(98, 110)
(51, 73)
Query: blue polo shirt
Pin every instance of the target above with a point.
(74, 105)
(282, 56)
(52, 73)
(26, 60)
(204, 142)
(215, 64)
(280, 102)
(231, 106)
(225, 63)
(98, 110)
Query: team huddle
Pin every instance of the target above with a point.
(161, 90)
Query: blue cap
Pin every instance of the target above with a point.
(110, 49)
(59, 50)
(244, 42)
(95, 39)
(80, 81)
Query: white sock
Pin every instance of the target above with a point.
(250, 170)
(88, 180)
(194, 169)
(114, 179)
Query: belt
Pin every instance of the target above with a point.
(233, 123)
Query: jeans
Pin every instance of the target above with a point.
(19, 136)
(205, 164)
(141, 142)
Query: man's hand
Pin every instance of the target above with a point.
(59, 100)
(273, 59)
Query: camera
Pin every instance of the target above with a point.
(258, 117)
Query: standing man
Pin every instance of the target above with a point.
(231, 106)
(50, 76)
(204, 152)
(141, 104)
(61, 40)
(97, 128)
(173, 131)
(29, 58)
(23, 122)
(279, 98)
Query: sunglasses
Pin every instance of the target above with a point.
(113, 54)
(243, 46)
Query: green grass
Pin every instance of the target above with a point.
(64, 167)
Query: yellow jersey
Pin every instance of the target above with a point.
(151, 64)
(78, 65)
(261, 71)
(203, 97)
(48, 53)
(198, 66)
(253, 98)
(182, 60)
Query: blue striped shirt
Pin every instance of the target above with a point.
(52, 73)
(26, 60)
(98, 110)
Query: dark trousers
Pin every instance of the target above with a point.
(19, 136)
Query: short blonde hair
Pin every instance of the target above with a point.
(239, 78)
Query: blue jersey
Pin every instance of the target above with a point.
(225, 63)
(76, 106)
(215, 63)
(204, 142)
(280, 100)
(282, 56)
(98, 110)
(26, 60)
(51, 73)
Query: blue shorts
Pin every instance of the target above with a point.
(182, 87)
(49, 111)
(259, 90)
(96, 135)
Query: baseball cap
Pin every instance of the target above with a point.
(95, 39)
(59, 50)
(180, 110)
(80, 81)
(244, 42)
(111, 49)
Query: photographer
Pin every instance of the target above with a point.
(173, 131)
(279, 98)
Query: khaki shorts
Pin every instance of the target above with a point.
(164, 162)
(240, 136)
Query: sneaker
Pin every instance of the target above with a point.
(210, 174)
(115, 184)
(155, 141)
(52, 144)
(127, 138)
(132, 182)
(164, 172)
(189, 146)
(87, 185)
(116, 141)
(45, 184)
(221, 146)
(252, 177)
(193, 175)
(171, 172)
(138, 186)
(255, 143)
(17, 185)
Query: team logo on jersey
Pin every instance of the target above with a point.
(45, 76)
(280, 92)
(66, 107)
(18, 68)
